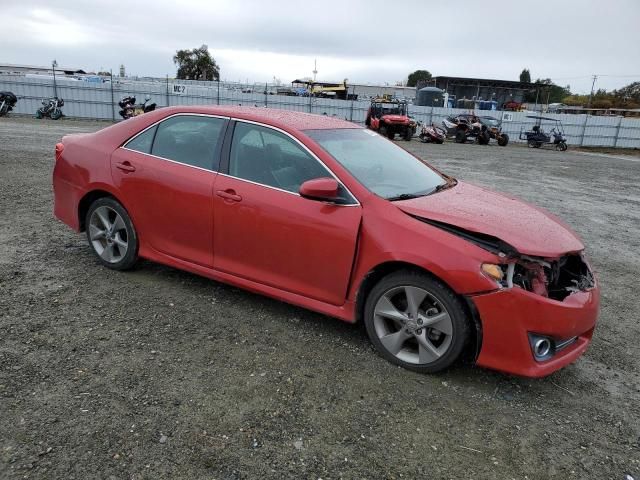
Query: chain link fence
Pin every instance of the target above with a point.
(100, 101)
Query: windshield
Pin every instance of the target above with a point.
(380, 165)
(490, 121)
(390, 108)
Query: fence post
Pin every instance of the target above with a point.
(310, 97)
(584, 129)
(167, 90)
(353, 96)
(430, 116)
(265, 94)
(615, 141)
(218, 90)
(113, 105)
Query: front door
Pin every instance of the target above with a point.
(264, 231)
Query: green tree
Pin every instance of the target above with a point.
(525, 76)
(196, 64)
(419, 76)
(628, 97)
(547, 92)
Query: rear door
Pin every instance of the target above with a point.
(266, 232)
(166, 177)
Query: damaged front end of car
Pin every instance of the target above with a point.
(543, 312)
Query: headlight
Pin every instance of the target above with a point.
(492, 271)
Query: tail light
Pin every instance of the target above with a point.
(59, 150)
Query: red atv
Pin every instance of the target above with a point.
(389, 117)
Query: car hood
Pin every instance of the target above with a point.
(528, 229)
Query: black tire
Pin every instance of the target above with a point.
(56, 114)
(390, 134)
(503, 140)
(3, 110)
(130, 256)
(461, 136)
(531, 143)
(562, 146)
(408, 134)
(448, 301)
(484, 138)
(439, 142)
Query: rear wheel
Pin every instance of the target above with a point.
(415, 321)
(408, 133)
(39, 113)
(562, 146)
(111, 234)
(56, 114)
(461, 136)
(503, 140)
(484, 138)
(390, 134)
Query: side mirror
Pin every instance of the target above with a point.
(325, 188)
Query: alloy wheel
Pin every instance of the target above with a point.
(108, 234)
(413, 325)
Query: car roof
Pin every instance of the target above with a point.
(285, 119)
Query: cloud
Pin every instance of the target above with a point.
(365, 41)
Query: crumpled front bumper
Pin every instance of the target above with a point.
(508, 316)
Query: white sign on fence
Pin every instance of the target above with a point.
(507, 117)
(179, 89)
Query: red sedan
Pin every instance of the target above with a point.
(324, 214)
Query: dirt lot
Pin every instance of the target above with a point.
(158, 373)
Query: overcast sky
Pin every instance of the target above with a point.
(366, 41)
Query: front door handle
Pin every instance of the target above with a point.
(229, 194)
(125, 166)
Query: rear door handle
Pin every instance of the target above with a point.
(125, 166)
(229, 195)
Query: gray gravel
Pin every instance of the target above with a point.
(158, 373)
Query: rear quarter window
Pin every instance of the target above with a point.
(143, 141)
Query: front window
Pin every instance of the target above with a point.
(380, 165)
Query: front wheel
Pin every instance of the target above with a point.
(461, 136)
(4, 109)
(562, 146)
(503, 140)
(111, 234)
(415, 321)
(39, 113)
(56, 114)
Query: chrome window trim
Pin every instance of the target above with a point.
(304, 147)
(155, 124)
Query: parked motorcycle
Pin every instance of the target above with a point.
(7, 101)
(431, 133)
(130, 109)
(51, 107)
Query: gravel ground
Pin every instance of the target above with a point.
(158, 373)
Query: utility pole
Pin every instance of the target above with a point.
(595, 77)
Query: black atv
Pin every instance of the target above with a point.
(480, 130)
(7, 101)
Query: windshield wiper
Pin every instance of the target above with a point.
(406, 196)
(444, 186)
